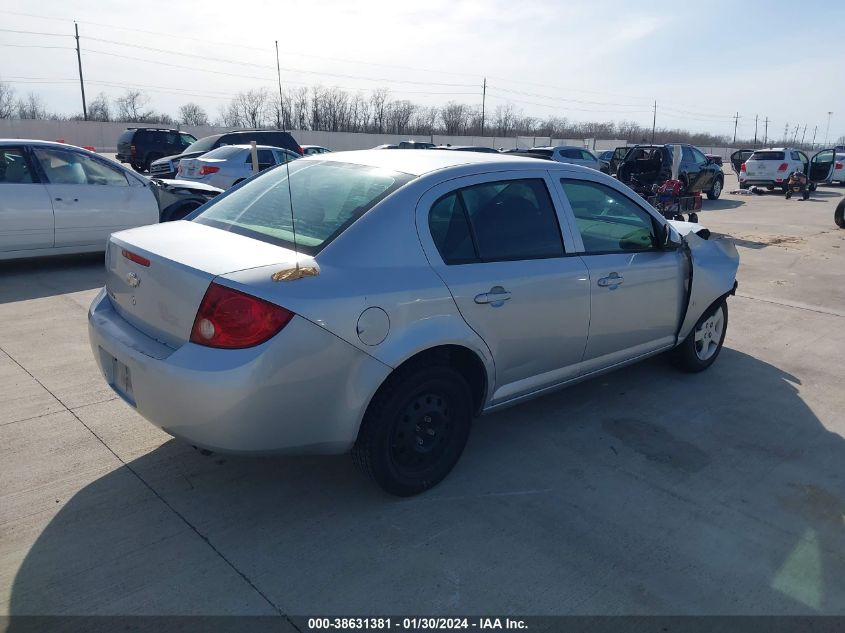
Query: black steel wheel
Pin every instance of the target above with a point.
(839, 214)
(415, 428)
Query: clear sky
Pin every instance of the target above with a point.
(585, 60)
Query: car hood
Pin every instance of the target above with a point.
(190, 185)
(167, 159)
(685, 228)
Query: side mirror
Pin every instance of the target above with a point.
(667, 238)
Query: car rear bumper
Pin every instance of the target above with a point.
(303, 391)
(763, 182)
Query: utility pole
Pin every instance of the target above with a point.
(281, 101)
(803, 134)
(795, 135)
(654, 122)
(827, 130)
(81, 81)
(766, 133)
(483, 103)
(755, 130)
(736, 122)
(813, 144)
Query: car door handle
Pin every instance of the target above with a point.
(59, 199)
(496, 297)
(612, 281)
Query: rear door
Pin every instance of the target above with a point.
(26, 215)
(636, 289)
(496, 242)
(92, 199)
(822, 165)
(617, 159)
(738, 158)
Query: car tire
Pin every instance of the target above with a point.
(715, 190)
(693, 217)
(415, 428)
(839, 214)
(813, 186)
(150, 159)
(743, 186)
(788, 194)
(805, 195)
(703, 344)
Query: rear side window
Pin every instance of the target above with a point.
(327, 198)
(14, 167)
(497, 221)
(767, 156)
(222, 153)
(126, 136)
(794, 156)
(571, 153)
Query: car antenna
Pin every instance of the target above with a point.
(297, 272)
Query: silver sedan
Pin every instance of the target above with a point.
(376, 302)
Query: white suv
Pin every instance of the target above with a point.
(771, 167)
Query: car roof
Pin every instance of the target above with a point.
(247, 146)
(307, 146)
(424, 161)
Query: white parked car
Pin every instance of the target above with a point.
(771, 167)
(228, 165)
(58, 199)
(569, 154)
(311, 150)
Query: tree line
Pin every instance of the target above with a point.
(335, 110)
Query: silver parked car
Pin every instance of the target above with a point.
(569, 154)
(230, 164)
(413, 291)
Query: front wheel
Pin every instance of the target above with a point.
(415, 428)
(839, 214)
(701, 347)
(715, 190)
(788, 194)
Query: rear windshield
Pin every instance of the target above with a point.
(227, 151)
(202, 145)
(126, 137)
(327, 198)
(540, 152)
(767, 156)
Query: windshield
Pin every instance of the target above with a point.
(767, 156)
(327, 198)
(202, 145)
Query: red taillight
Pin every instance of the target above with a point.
(300, 150)
(232, 319)
(206, 169)
(742, 167)
(838, 166)
(132, 149)
(783, 167)
(134, 257)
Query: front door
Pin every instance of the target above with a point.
(91, 199)
(821, 165)
(496, 242)
(26, 215)
(636, 288)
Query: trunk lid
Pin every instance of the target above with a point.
(764, 165)
(161, 299)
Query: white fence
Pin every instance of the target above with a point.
(103, 136)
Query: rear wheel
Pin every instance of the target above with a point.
(715, 190)
(701, 347)
(788, 194)
(415, 428)
(805, 195)
(839, 214)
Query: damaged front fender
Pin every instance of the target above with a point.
(714, 266)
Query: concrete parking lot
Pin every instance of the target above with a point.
(646, 491)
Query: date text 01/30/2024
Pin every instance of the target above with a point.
(415, 623)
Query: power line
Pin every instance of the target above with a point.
(36, 33)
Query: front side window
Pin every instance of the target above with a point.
(698, 156)
(609, 221)
(70, 168)
(187, 139)
(13, 167)
(496, 221)
(327, 198)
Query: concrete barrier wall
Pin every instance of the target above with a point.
(103, 136)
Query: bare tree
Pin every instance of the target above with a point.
(130, 107)
(193, 114)
(299, 106)
(99, 108)
(7, 100)
(455, 117)
(252, 107)
(31, 107)
(229, 116)
(425, 120)
(504, 120)
(378, 103)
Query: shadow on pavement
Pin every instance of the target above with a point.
(48, 276)
(645, 491)
(721, 204)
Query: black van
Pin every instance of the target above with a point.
(140, 146)
(166, 167)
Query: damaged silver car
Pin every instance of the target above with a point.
(377, 302)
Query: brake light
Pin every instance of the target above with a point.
(231, 319)
(132, 150)
(205, 170)
(134, 257)
(742, 167)
(300, 150)
(783, 167)
(838, 166)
